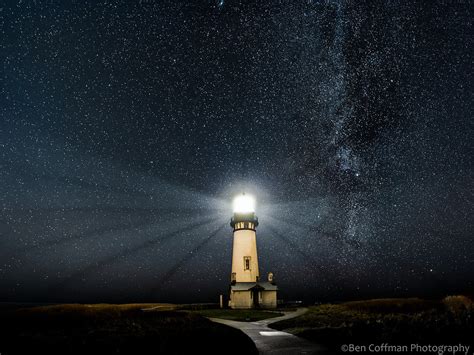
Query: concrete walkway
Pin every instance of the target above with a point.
(271, 341)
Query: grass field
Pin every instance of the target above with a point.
(239, 314)
(115, 329)
(393, 321)
(183, 329)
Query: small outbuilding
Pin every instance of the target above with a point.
(253, 295)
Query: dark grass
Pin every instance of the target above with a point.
(241, 315)
(115, 329)
(393, 321)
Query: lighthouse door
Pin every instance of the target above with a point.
(255, 298)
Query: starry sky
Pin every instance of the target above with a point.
(127, 127)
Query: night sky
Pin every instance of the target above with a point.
(127, 127)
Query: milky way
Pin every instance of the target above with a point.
(128, 126)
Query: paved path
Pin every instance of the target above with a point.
(271, 341)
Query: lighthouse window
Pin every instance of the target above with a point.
(246, 262)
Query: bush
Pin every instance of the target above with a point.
(458, 304)
(393, 305)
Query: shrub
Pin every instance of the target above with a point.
(458, 304)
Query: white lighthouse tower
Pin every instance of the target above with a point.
(246, 289)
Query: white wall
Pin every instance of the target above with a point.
(269, 299)
(245, 244)
(241, 299)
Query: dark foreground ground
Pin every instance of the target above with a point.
(115, 329)
(391, 321)
(170, 329)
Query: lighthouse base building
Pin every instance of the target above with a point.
(253, 295)
(246, 288)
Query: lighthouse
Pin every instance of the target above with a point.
(247, 290)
